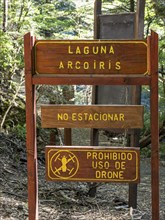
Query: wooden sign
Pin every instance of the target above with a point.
(92, 116)
(92, 164)
(91, 57)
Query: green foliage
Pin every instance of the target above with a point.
(20, 131)
(145, 152)
(50, 94)
(119, 6)
(18, 20)
(62, 19)
(162, 100)
(162, 150)
(6, 60)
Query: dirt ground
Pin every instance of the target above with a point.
(69, 201)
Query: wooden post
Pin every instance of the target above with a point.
(153, 62)
(139, 20)
(135, 31)
(136, 94)
(94, 135)
(31, 146)
(68, 136)
(97, 11)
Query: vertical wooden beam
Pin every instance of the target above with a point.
(139, 21)
(52, 137)
(136, 94)
(31, 146)
(153, 68)
(94, 134)
(97, 11)
(68, 136)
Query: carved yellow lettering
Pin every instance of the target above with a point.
(80, 118)
(69, 50)
(123, 156)
(89, 155)
(114, 156)
(121, 175)
(94, 155)
(98, 174)
(104, 174)
(115, 117)
(100, 156)
(122, 165)
(110, 117)
(61, 65)
(96, 117)
(109, 65)
(129, 156)
(101, 65)
(85, 116)
(95, 50)
(74, 117)
(109, 174)
(106, 156)
(94, 165)
(100, 164)
(103, 49)
(62, 116)
(59, 116)
(121, 117)
(70, 65)
(78, 51)
(117, 66)
(106, 165)
(86, 50)
(86, 65)
(90, 118)
(94, 64)
(104, 117)
(117, 165)
(111, 50)
(77, 65)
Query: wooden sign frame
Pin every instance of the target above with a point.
(92, 116)
(31, 80)
(90, 57)
(93, 164)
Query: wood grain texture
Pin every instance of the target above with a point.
(91, 57)
(153, 47)
(31, 146)
(90, 80)
(92, 164)
(92, 116)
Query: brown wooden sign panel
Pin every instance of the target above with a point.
(92, 116)
(92, 164)
(91, 57)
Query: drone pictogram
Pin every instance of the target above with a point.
(64, 164)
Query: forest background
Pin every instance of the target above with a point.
(61, 19)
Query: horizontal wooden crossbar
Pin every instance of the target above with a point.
(86, 80)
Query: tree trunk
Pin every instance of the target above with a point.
(5, 15)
